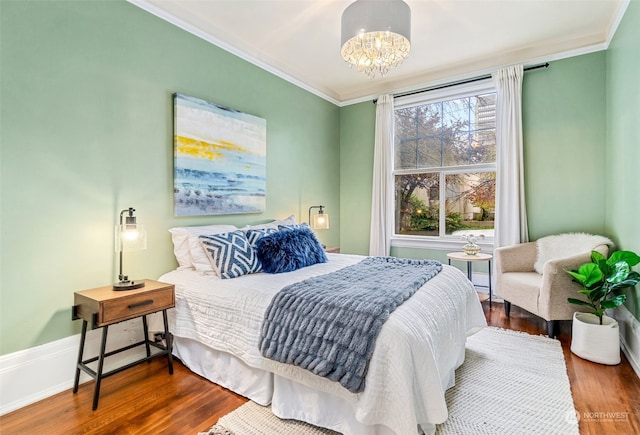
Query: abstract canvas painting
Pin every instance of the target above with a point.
(219, 159)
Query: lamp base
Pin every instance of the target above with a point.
(128, 285)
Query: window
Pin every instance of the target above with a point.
(445, 164)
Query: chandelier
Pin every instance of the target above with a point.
(375, 35)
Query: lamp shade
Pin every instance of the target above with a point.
(130, 237)
(376, 35)
(320, 221)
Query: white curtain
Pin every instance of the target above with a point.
(382, 192)
(511, 216)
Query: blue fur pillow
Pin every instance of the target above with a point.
(290, 249)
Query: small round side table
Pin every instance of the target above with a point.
(470, 259)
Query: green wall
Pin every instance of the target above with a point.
(357, 132)
(563, 122)
(623, 140)
(86, 131)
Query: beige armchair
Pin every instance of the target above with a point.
(544, 295)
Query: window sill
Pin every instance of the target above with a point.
(447, 244)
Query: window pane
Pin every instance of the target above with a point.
(455, 114)
(483, 147)
(470, 203)
(406, 154)
(457, 149)
(405, 123)
(430, 119)
(417, 204)
(483, 108)
(429, 152)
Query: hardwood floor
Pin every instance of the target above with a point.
(146, 400)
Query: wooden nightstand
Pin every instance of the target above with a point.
(332, 249)
(103, 307)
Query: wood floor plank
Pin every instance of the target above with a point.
(146, 400)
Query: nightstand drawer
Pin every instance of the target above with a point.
(104, 306)
(116, 310)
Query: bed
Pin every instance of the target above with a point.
(216, 328)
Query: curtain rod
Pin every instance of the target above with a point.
(462, 82)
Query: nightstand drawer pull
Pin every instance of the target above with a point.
(141, 304)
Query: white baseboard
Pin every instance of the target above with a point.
(30, 375)
(629, 335)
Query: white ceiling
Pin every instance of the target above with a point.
(299, 40)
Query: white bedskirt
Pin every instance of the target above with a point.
(288, 399)
(216, 326)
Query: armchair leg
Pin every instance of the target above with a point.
(552, 328)
(507, 308)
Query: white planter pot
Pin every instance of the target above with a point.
(595, 342)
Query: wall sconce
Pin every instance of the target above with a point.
(321, 220)
(130, 236)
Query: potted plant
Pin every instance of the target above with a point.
(595, 336)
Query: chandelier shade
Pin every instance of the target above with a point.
(376, 35)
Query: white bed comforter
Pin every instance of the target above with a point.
(416, 353)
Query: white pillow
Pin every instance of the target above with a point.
(181, 247)
(566, 245)
(291, 220)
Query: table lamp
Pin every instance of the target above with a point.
(129, 236)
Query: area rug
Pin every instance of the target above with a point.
(510, 383)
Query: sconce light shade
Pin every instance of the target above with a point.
(376, 35)
(319, 221)
(129, 236)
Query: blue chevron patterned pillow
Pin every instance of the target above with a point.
(253, 235)
(231, 254)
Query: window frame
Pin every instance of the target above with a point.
(443, 241)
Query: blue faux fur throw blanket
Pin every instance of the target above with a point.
(329, 324)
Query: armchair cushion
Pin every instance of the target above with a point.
(566, 245)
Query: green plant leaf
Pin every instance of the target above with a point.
(604, 267)
(591, 273)
(579, 302)
(618, 272)
(596, 257)
(629, 282)
(634, 276)
(577, 277)
(631, 258)
(614, 302)
(597, 294)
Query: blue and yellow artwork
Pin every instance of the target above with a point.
(220, 157)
